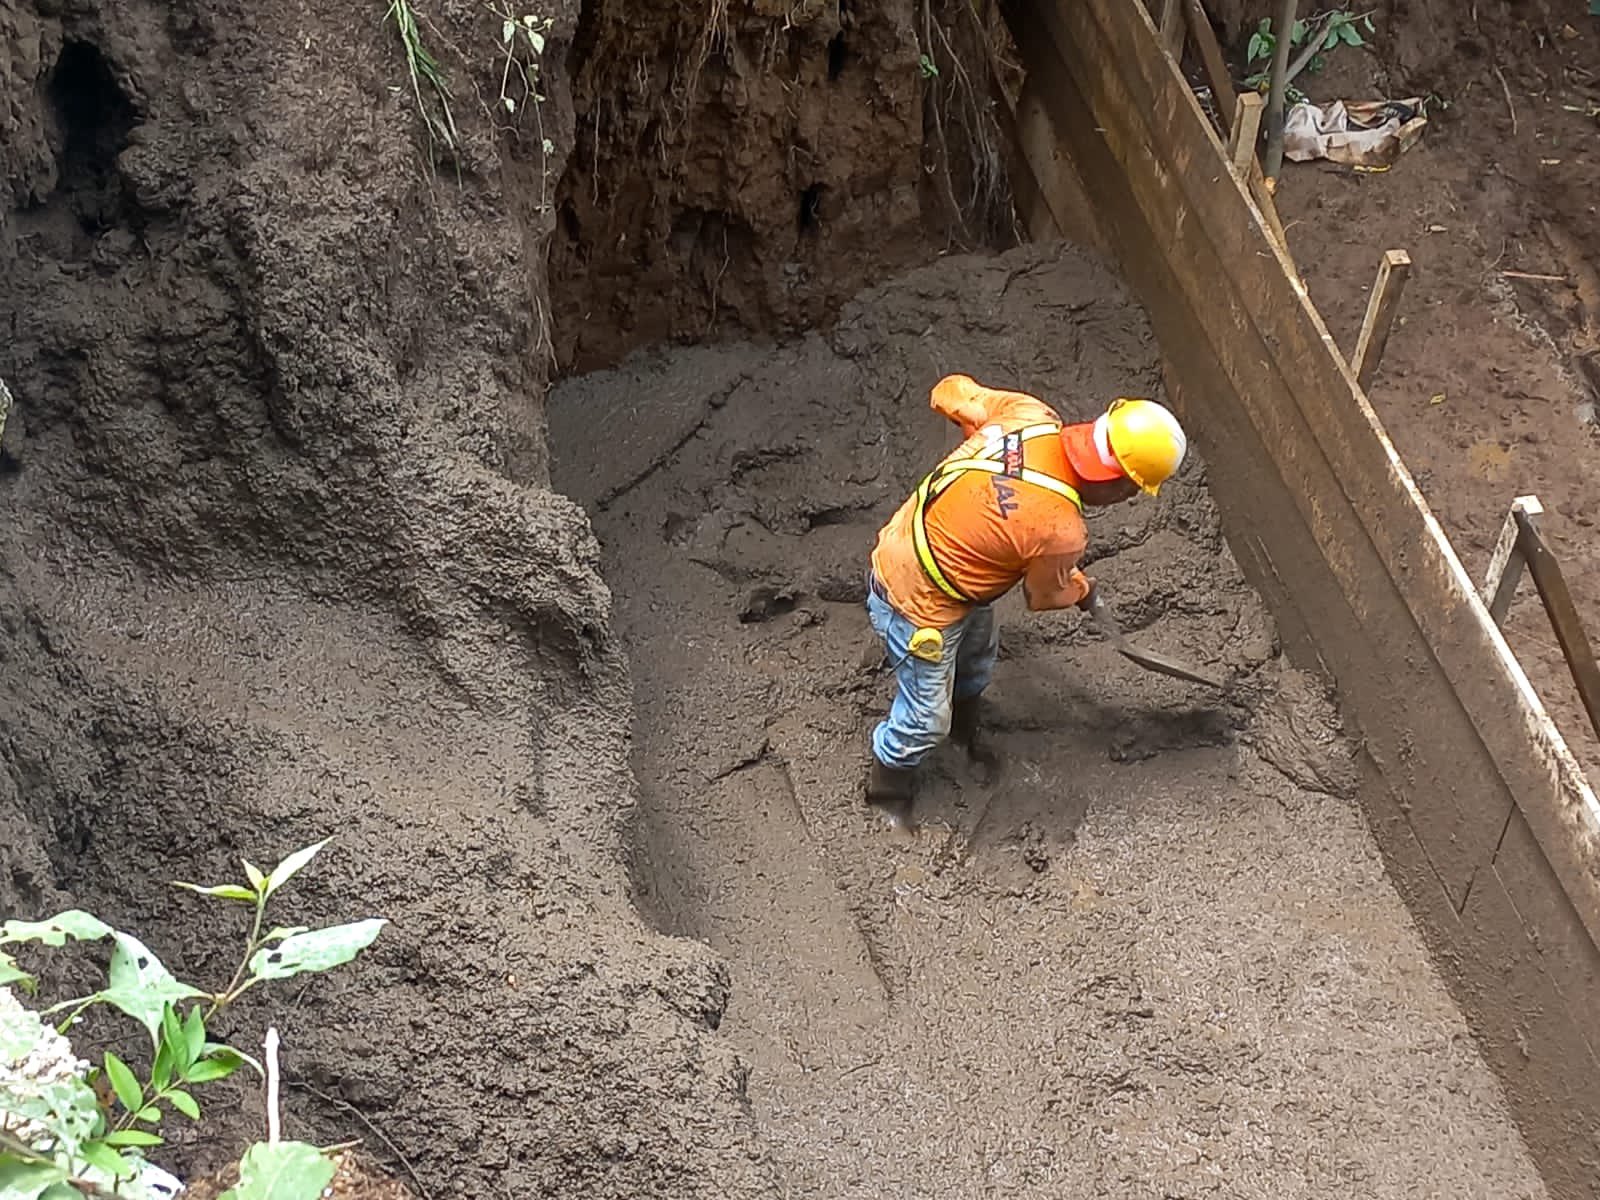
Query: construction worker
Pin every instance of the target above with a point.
(1005, 507)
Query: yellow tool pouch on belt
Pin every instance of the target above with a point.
(928, 645)
(1002, 458)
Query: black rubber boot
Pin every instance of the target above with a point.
(966, 731)
(891, 790)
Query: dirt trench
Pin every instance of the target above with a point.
(1159, 956)
(280, 557)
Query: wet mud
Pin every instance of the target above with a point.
(1158, 955)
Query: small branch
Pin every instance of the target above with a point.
(346, 1106)
(1278, 85)
(1510, 107)
(274, 1129)
(229, 994)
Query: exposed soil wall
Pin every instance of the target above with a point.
(278, 561)
(747, 167)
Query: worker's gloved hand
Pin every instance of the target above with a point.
(1088, 595)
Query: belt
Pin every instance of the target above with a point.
(875, 586)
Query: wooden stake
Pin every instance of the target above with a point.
(1171, 27)
(1552, 585)
(1246, 130)
(1506, 563)
(1522, 545)
(1381, 307)
(1216, 66)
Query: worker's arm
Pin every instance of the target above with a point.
(964, 400)
(1055, 582)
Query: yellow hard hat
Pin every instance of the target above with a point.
(1145, 439)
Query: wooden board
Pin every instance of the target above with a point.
(1325, 518)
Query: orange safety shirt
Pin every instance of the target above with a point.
(987, 532)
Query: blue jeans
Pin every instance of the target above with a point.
(919, 719)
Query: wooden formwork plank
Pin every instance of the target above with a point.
(1172, 27)
(1064, 205)
(1211, 58)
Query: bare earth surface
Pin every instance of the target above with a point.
(1158, 956)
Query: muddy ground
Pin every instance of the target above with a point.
(1158, 956)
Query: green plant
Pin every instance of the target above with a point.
(68, 1129)
(927, 67)
(525, 34)
(1315, 37)
(522, 42)
(423, 67)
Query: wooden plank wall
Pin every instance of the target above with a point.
(1486, 823)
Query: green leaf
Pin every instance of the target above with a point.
(319, 950)
(172, 1034)
(140, 985)
(161, 1068)
(281, 1171)
(536, 40)
(11, 973)
(224, 891)
(1351, 35)
(1367, 21)
(218, 1052)
(291, 866)
(209, 1070)
(184, 1103)
(132, 1137)
(98, 1154)
(74, 923)
(124, 1083)
(150, 1115)
(24, 1180)
(254, 875)
(508, 31)
(194, 1036)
